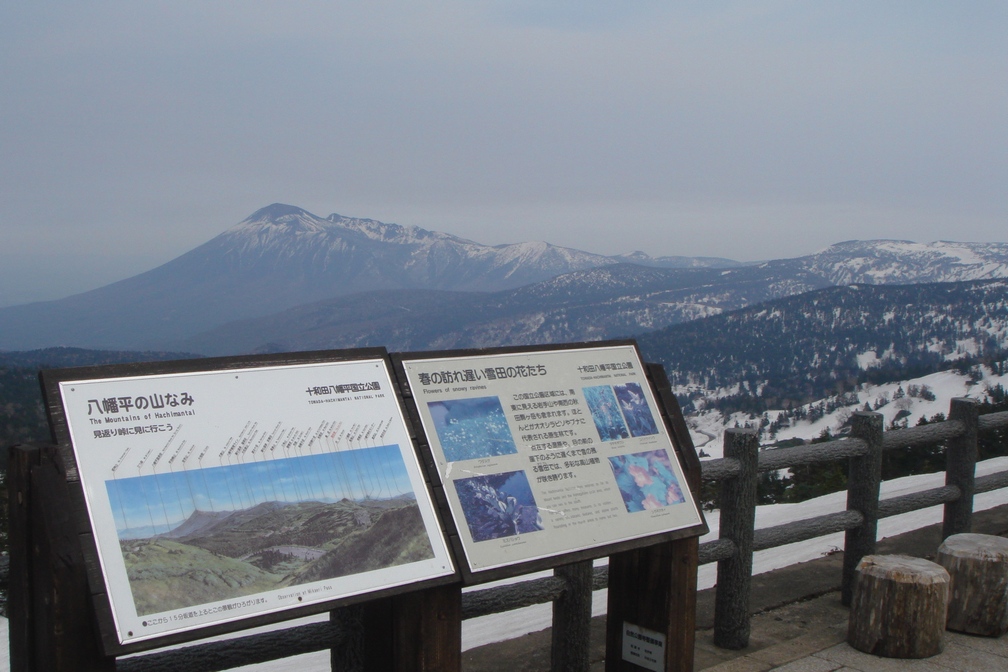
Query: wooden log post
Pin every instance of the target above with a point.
(738, 518)
(978, 591)
(898, 608)
(960, 467)
(572, 619)
(864, 476)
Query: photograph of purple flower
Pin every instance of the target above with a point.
(646, 480)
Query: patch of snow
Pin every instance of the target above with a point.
(867, 360)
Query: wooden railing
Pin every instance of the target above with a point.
(737, 472)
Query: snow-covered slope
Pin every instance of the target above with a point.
(368, 254)
(901, 402)
(902, 262)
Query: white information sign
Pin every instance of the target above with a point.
(542, 453)
(644, 648)
(216, 496)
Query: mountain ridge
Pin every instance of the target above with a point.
(283, 256)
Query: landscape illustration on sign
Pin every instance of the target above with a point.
(498, 505)
(472, 428)
(198, 536)
(646, 480)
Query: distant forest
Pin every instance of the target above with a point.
(808, 347)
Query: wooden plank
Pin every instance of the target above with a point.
(349, 621)
(65, 628)
(20, 461)
(654, 589)
(248, 650)
(683, 601)
(419, 631)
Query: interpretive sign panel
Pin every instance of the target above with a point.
(547, 452)
(219, 495)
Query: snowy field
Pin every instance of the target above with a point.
(476, 632)
(707, 427)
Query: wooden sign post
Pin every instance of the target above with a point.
(547, 456)
(651, 615)
(210, 496)
(183, 500)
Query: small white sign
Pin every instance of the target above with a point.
(645, 648)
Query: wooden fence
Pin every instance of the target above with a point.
(738, 473)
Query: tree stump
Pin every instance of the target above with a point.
(978, 590)
(898, 607)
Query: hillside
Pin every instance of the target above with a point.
(824, 342)
(278, 257)
(584, 305)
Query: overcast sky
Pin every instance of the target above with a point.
(131, 132)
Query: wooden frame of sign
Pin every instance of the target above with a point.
(548, 455)
(214, 495)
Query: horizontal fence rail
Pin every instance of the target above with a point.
(737, 473)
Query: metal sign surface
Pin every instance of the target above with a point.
(216, 496)
(542, 453)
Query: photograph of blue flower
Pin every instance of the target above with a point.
(635, 409)
(472, 428)
(606, 413)
(498, 505)
(646, 480)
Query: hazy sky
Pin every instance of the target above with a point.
(131, 132)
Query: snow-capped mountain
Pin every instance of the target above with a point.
(282, 257)
(349, 254)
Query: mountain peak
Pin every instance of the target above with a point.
(277, 211)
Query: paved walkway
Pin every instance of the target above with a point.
(811, 637)
(798, 625)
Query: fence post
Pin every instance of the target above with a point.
(960, 467)
(738, 518)
(572, 619)
(864, 475)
